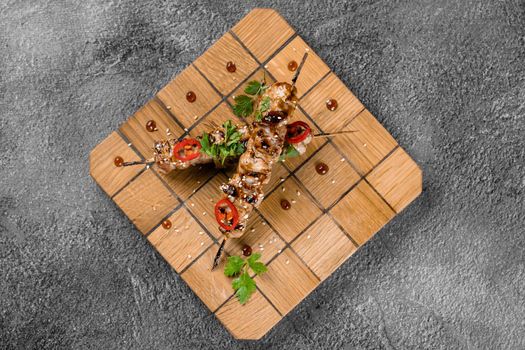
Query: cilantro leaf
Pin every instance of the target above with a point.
(256, 266)
(233, 266)
(265, 104)
(289, 152)
(223, 153)
(205, 143)
(254, 257)
(253, 87)
(239, 149)
(258, 116)
(243, 106)
(244, 287)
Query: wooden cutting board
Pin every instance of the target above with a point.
(370, 178)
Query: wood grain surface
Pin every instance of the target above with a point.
(370, 177)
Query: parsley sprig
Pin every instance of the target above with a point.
(231, 146)
(244, 104)
(289, 151)
(244, 285)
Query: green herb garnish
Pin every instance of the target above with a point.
(244, 104)
(244, 285)
(231, 146)
(289, 152)
(255, 87)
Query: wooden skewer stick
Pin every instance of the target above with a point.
(138, 162)
(218, 255)
(294, 79)
(335, 133)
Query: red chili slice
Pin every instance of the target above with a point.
(224, 217)
(297, 132)
(190, 149)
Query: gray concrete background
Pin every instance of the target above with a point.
(446, 78)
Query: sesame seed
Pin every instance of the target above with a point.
(294, 49)
(298, 193)
(287, 261)
(189, 256)
(195, 117)
(147, 166)
(177, 230)
(260, 245)
(307, 49)
(187, 227)
(202, 243)
(261, 248)
(281, 179)
(192, 204)
(201, 233)
(333, 181)
(203, 213)
(294, 201)
(364, 144)
(253, 230)
(266, 66)
(129, 144)
(168, 107)
(264, 223)
(308, 237)
(342, 159)
(186, 129)
(284, 189)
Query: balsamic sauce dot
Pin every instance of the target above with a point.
(285, 204)
(151, 125)
(331, 104)
(231, 67)
(118, 161)
(292, 66)
(321, 168)
(246, 250)
(166, 224)
(190, 96)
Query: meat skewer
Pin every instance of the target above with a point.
(164, 150)
(244, 190)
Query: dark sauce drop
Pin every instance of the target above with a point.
(321, 168)
(246, 250)
(274, 117)
(331, 104)
(292, 66)
(190, 96)
(230, 67)
(151, 126)
(285, 204)
(118, 161)
(251, 199)
(166, 224)
(230, 190)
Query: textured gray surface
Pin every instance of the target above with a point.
(447, 79)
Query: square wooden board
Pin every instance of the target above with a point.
(370, 178)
